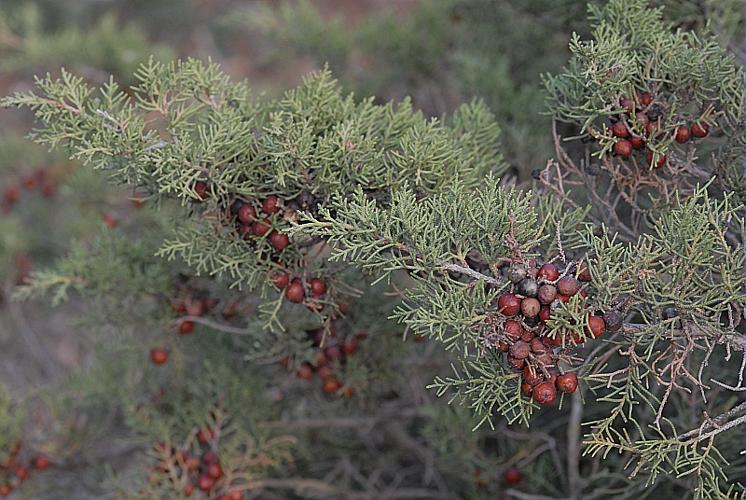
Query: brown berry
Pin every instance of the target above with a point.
(620, 129)
(532, 376)
(623, 148)
(547, 294)
(661, 159)
(215, 471)
(645, 99)
(205, 482)
(537, 346)
(350, 345)
(331, 385)
(305, 371)
(627, 104)
(279, 240)
(247, 213)
(188, 490)
(513, 476)
(530, 307)
(159, 356)
(520, 349)
(568, 285)
(200, 187)
(637, 142)
(21, 472)
(584, 274)
(596, 325)
(262, 227)
(567, 382)
(513, 329)
(509, 304)
(641, 118)
(271, 205)
(700, 130)
(545, 393)
(318, 287)
(294, 292)
(545, 313)
(682, 135)
(548, 272)
(515, 363)
(526, 389)
(281, 280)
(613, 320)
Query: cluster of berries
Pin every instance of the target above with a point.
(39, 179)
(297, 290)
(14, 471)
(520, 324)
(641, 124)
(336, 350)
(195, 471)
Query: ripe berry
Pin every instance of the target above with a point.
(596, 325)
(295, 292)
(260, 228)
(526, 389)
(652, 128)
(40, 462)
(158, 355)
(186, 327)
(661, 159)
(513, 476)
(537, 346)
(545, 393)
(235, 495)
(247, 213)
(532, 376)
(205, 483)
(568, 285)
(21, 473)
(545, 313)
(12, 195)
(5, 490)
(271, 205)
(520, 350)
(613, 320)
(215, 471)
(279, 240)
(645, 99)
(305, 371)
(110, 220)
(547, 294)
(332, 352)
(637, 142)
(682, 135)
(513, 329)
(620, 129)
(509, 304)
(528, 287)
(318, 287)
(623, 148)
(325, 372)
(195, 308)
(627, 104)
(584, 274)
(530, 307)
(700, 130)
(188, 490)
(246, 231)
(515, 363)
(200, 187)
(548, 272)
(350, 345)
(516, 273)
(331, 385)
(567, 382)
(641, 118)
(281, 280)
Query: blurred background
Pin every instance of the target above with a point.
(439, 52)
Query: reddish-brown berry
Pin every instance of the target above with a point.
(645, 99)
(513, 476)
(652, 128)
(682, 135)
(188, 490)
(548, 272)
(509, 304)
(568, 285)
(545, 393)
(195, 308)
(530, 307)
(279, 240)
(5, 490)
(305, 371)
(247, 213)
(513, 329)
(246, 231)
(271, 205)
(547, 294)
(623, 148)
(515, 363)
(318, 287)
(700, 130)
(520, 350)
(200, 188)
(567, 382)
(641, 118)
(262, 227)
(110, 220)
(620, 129)
(661, 159)
(11, 195)
(22, 473)
(545, 313)
(627, 104)
(584, 274)
(350, 345)
(215, 471)
(281, 280)
(205, 483)
(331, 385)
(158, 355)
(537, 346)
(532, 376)
(186, 327)
(235, 495)
(596, 326)
(40, 462)
(637, 142)
(295, 292)
(526, 389)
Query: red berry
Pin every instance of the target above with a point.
(661, 159)
(205, 482)
(40, 462)
(513, 476)
(526, 389)
(235, 495)
(12, 195)
(305, 371)
(200, 187)
(545, 313)
(188, 490)
(596, 325)
(295, 292)
(637, 142)
(331, 385)
(627, 104)
(509, 304)
(682, 135)
(549, 272)
(137, 200)
(645, 99)
(246, 231)
(215, 471)
(5, 490)
(568, 285)
(623, 148)
(325, 372)
(210, 457)
(271, 205)
(30, 182)
(652, 128)
(620, 129)
(332, 352)
(279, 240)
(110, 221)
(513, 329)
(318, 287)
(350, 345)
(530, 307)
(158, 355)
(532, 376)
(262, 227)
(186, 327)
(281, 280)
(195, 308)
(700, 130)
(545, 393)
(567, 382)
(246, 213)
(22, 473)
